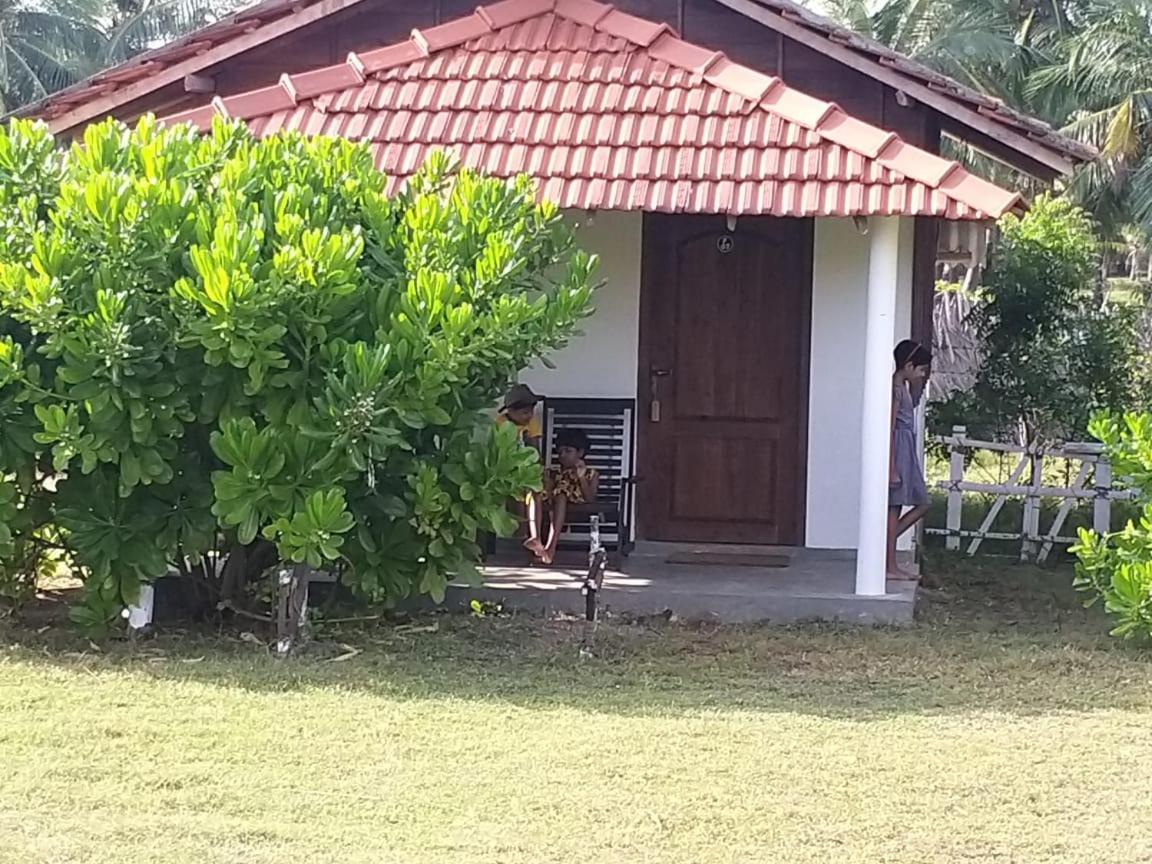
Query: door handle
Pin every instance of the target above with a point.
(654, 376)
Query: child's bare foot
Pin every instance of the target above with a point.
(548, 555)
(534, 546)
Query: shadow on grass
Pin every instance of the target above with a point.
(990, 637)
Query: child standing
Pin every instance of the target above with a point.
(907, 491)
(570, 482)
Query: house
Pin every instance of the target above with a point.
(763, 187)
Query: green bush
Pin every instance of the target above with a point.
(1051, 354)
(1117, 568)
(217, 353)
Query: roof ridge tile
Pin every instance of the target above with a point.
(677, 52)
(391, 56)
(638, 31)
(586, 12)
(742, 80)
(508, 12)
(451, 33)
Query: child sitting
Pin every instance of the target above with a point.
(519, 409)
(571, 482)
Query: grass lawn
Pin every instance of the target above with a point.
(1004, 727)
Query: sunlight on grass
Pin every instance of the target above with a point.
(1003, 727)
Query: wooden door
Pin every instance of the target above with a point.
(724, 336)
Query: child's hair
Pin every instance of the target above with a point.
(912, 352)
(577, 439)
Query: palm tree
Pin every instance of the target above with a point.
(989, 45)
(1083, 65)
(140, 25)
(1100, 90)
(992, 46)
(46, 45)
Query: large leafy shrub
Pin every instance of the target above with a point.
(1050, 354)
(217, 353)
(1117, 568)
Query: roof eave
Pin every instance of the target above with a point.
(257, 34)
(1062, 160)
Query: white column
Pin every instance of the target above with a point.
(876, 414)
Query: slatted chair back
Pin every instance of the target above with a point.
(610, 427)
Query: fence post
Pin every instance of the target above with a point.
(955, 496)
(1102, 505)
(1031, 526)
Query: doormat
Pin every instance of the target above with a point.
(729, 559)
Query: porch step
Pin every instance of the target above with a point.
(733, 554)
(727, 558)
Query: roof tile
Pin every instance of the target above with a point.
(267, 100)
(503, 14)
(391, 56)
(915, 163)
(734, 78)
(850, 132)
(305, 85)
(797, 107)
(677, 52)
(200, 117)
(451, 34)
(586, 12)
(633, 29)
(131, 72)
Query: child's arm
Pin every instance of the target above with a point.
(916, 391)
(893, 474)
(534, 435)
(589, 483)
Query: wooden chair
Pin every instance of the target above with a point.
(610, 426)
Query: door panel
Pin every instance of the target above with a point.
(724, 341)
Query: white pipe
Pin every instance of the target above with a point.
(876, 416)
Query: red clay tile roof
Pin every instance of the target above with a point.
(609, 111)
(200, 50)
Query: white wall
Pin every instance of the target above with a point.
(602, 362)
(839, 298)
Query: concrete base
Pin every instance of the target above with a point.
(815, 585)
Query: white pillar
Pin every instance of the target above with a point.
(876, 415)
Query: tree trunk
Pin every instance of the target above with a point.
(245, 564)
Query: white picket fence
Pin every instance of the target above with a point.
(1093, 481)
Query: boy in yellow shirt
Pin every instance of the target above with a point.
(519, 409)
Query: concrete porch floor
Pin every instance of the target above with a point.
(815, 585)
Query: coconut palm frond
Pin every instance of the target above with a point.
(1140, 194)
(156, 23)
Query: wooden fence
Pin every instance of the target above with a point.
(1092, 482)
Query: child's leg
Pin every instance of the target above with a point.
(898, 525)
(535, 522)
(893, 523)
(559, 514)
